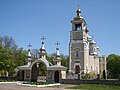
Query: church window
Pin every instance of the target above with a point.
(77, 53)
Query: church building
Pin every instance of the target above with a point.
(83, 57)
(83, 50)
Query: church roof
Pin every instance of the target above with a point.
(29, 67)
(24, 67)
(56, 67)
(49, 65)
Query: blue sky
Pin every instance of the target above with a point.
(28, 20)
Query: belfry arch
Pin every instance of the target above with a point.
(35, 70)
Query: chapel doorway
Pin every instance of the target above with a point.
(21, 74)
(77, 69)
(56, 77)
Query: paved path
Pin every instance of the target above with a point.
(17, 87)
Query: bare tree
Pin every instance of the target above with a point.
(8, 42)
(35, 53)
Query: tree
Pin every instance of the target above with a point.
(42, 69)
(50, 58)
(6, 59)
(113, 65)
(10, 56)
(8, 42)
(20, 57)
(35, 53)
(63, 59)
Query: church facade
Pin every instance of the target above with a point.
(83, 50)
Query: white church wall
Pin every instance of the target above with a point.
(96, 65)
(91, 63)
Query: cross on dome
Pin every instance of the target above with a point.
(29, 53)
(29, 45)
(57, 44)
(43, 38)
(78, 11)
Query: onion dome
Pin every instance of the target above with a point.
(97, 47)
(42, 51)
(78, 16)
(93, 42)
(89, 38)
(57, 57)
(29, 54)
(29, 57)
(42, 47)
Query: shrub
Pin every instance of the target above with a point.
(89, 76)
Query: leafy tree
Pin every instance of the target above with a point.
(10, 56)
(113, 65)
(50, 58)
(42, 69)
(64, 60)
(63, 57)
(20, 57)
(6, 59)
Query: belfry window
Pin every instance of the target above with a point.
(78, 27)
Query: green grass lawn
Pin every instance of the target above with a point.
(95, 87)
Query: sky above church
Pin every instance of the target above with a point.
(28, 20)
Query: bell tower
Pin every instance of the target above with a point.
(78, 46)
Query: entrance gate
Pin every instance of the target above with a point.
(77, 69)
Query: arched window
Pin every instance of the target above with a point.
(77, 54)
